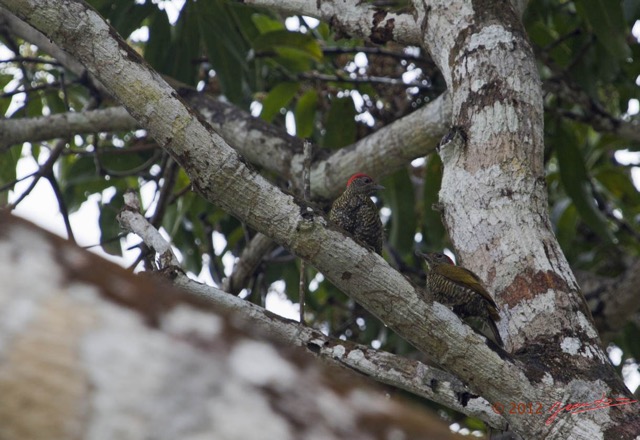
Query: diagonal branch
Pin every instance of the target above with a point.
(44, 170)
(249, 260)
(379, 154)
(409, 375)
(221, 176)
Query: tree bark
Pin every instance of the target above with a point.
(90, 351)
(409, 375)
(494, 201)
(563, 365)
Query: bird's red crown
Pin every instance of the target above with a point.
(356, 176)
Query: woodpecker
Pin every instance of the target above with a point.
(355, 212)
(461, 290)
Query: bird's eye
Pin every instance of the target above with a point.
(367, 180)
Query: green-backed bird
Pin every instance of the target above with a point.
(355, 212)
(461, 290)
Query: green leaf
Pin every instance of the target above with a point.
(109, 227)
(34, 106)
(631, 10)
(78, 179)
(155, 51)
(226, 47)
(305, 113)
(279, 97)
(606, 18)
(8, 163)
(185, 46)
(5, 102)
(565, 218)
(172, 50)
(54, 102)
(128, 16)
(266, 24)
(341, 127)
(575, 180)
(279, 40)
(399, 196)
(293, 60)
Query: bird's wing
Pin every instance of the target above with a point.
(466, 278)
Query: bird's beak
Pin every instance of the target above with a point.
(378, 188)
(425, 258)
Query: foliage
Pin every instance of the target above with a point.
(588, 61)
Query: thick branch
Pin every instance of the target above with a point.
(65, 125)
(409, 375)
(364, 20)
(148, 361)
(379, 154)
(264, 145)
(406, 374)
(495, 205)
(222, 177)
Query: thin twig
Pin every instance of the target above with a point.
(562, 39)
(608, 211)
(215, 270)
(315, 76)
(132, 172)
(179, 194)
(306, 195)
(10, 185)
(106, 240)
(372, 51)
(33, 60)
(13, 45)
(170, 173)
(62, 206)
(53, 85)
(46, 168)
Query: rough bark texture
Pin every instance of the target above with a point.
(90, 351)
(221, 176)
(495, 205)
(367, 20)
(409, 375)
(380, 154)
(473, 43)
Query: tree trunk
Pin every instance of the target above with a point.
(493, 198)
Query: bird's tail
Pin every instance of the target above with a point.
(494, 330)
